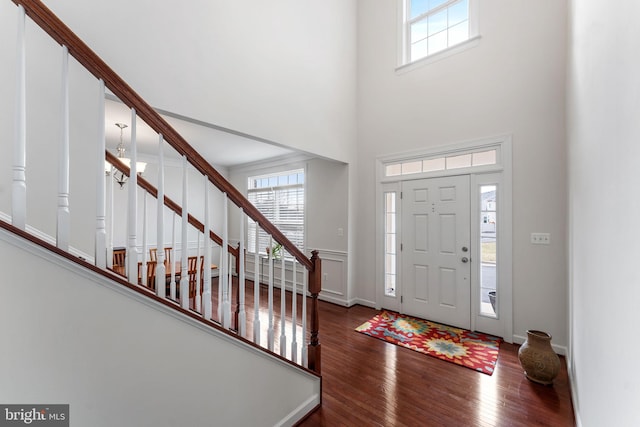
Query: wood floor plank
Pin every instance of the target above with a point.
(368, 382)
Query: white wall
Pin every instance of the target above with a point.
(120, 359)
(282, 70)
(511, 83)
(603, 131)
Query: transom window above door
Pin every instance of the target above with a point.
(432, 26)
(455, 160)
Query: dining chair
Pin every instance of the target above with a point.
(192, 271)
(151, 274)
(153, 255)
(118, 264)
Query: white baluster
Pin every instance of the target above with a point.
(103, 257)
(109, 200)
(63, 228)
(304, 360)
(219, 310)
(184, 280)
(226, 270)
(160, 266)
(199, 277)
(19, 184)
(256, 289)
(242, 314)
(294, 316)
(145, 247)
(283, 308)
(173, 258)
(270, 334)
(206, 292)
(132, 250)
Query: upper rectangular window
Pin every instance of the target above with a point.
(431, 26)
(482, 157)
(280, 198)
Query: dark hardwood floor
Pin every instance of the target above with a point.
(367, 382)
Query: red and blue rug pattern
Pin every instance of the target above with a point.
(473, 350)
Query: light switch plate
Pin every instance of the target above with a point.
(540, 238)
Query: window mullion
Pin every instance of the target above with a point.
(431, 11)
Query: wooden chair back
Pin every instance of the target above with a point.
(118, 265)
(192, 272)
(153, 255)
(151, 274)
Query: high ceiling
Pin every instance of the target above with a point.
(219, 146)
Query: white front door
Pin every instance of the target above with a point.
(436, 262)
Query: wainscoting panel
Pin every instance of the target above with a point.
(334, 277)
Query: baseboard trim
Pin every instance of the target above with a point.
(559, 349)
(301, 411)
(574, 392)
(364, 302)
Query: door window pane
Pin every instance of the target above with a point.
(484, 158)
(432, 165)
(411, 167)
(488, 251)
(390, 244)
(455, 162)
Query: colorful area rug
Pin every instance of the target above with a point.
(472, 350)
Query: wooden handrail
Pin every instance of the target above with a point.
(63, 35)
(149, 188)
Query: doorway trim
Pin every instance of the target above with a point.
(499, 173)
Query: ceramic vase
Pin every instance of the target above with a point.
(540, 363)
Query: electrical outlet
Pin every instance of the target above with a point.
(540, 238)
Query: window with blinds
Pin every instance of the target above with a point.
(280, 198)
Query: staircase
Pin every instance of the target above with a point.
(112, 346)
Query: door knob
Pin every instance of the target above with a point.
(464, 259)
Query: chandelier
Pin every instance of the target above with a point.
(119, 176)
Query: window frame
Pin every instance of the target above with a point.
(404, 62)
(281, 172)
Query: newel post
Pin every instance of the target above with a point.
(315, 286)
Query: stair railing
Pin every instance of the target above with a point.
(310, 283)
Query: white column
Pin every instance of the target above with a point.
(206, 292)
(224, 279)
(283, 308)
(305, 275)
(184, 280)
(242, 314)
(103, 257)
(270, 333)
(63, 217)
(19, 184)
(160, 267)
(256, 288)
(294, 315)
(132, 226)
